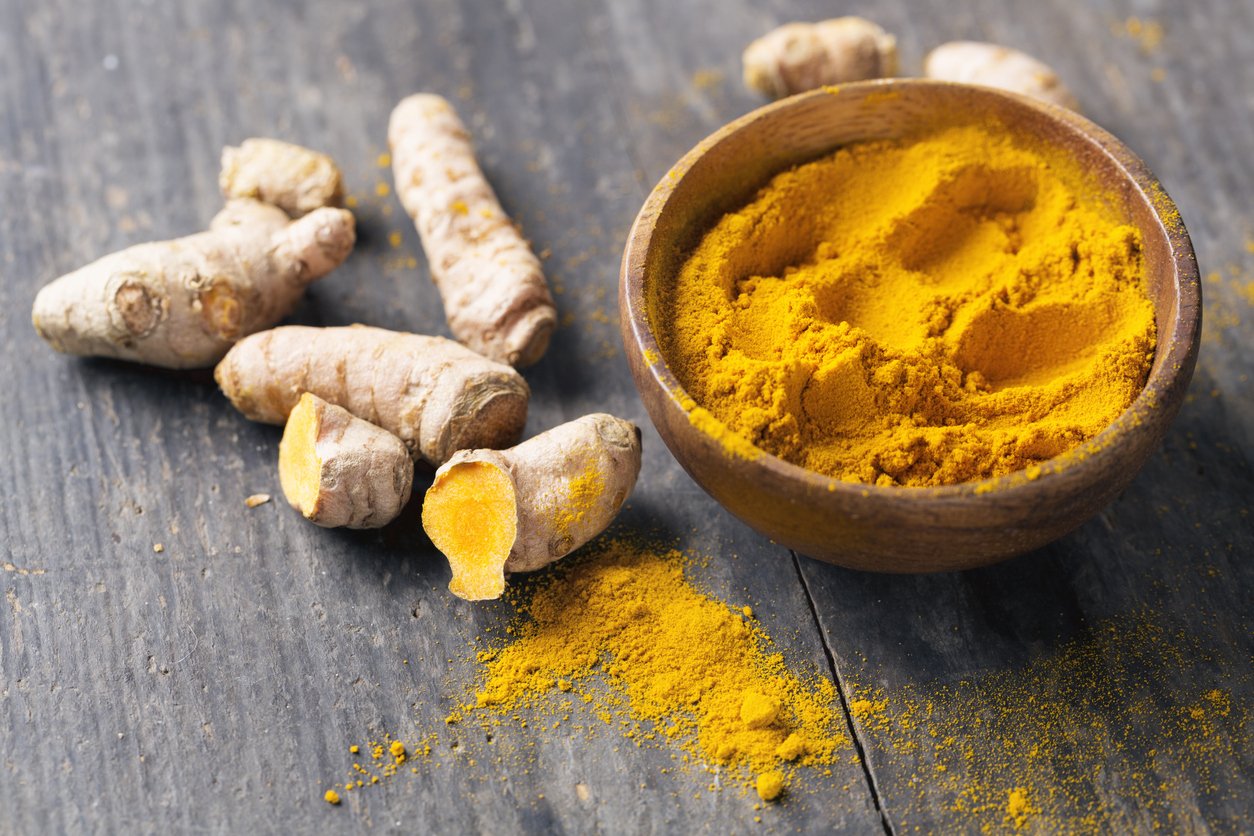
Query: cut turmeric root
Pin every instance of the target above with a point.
(338, 470)
(517, 510)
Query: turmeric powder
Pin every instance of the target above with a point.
(691, 670)
(952, 307)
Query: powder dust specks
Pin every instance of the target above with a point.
(1072, 741)
(618, 641)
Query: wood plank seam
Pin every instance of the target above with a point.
(859, 746)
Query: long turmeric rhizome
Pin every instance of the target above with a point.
(956, 306)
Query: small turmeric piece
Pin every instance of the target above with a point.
(182, 303)
(338, 470)
(991, 65)
(437, 396)
(256, 500)
(517, 510)
(297, 180)
(804, 56)
(495, 295)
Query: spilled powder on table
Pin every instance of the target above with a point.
(619, 642)
(627, 633)
(1046, 746)
(621, 635)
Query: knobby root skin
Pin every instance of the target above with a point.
(518, 510)
(804, 56)
(436, 395)
(182, 303)
(495, 295)
(296, 179)
(340, 471)
(991, 65)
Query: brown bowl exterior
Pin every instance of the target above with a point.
(895, 529)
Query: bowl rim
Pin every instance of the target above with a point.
(1081, 463)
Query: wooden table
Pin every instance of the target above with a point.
(214, 684)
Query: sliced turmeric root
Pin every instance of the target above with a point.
(517, 510)
(338, 470)
(473, 519)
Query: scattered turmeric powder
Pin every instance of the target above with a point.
(965, 308)
(1052, 745)
(1018, 808)
(692, 672)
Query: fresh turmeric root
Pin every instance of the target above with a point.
(182, 303)
(295, 179)
(338, 470)
(517, 510)
(495, 296)
(991, 65)
(437, 396)
(804, 56)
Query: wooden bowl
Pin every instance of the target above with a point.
(896, 529)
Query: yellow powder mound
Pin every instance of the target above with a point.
(916, 313)
(626, 627)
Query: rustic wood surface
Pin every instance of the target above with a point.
(215, 685)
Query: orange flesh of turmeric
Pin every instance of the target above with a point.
(471, 516)
(300, 466)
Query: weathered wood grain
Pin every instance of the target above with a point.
(1165, 566)
(216, 685)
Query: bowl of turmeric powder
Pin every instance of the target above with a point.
(909, 325)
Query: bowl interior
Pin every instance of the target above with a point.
(725, 170)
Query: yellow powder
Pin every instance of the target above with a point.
(1050, 745)
(1148, 33)
(758, 711)
(1017, 807)
(770, 785)
(925, 312)
(584, 494)
(732, 443)
(792, 748)
(625, 632)
(331, 797)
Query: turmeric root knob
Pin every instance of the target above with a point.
(517, 510)
(338, 470)
(804, 56)
(495, 295)
(181, 303)
(295, 179)
(437, 396)
(991, 65)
